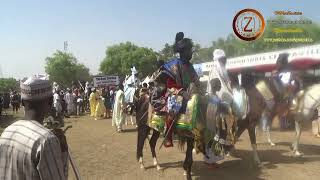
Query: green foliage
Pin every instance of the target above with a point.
(64, 68)
(121, 57)
(8, 83)
(166, 53)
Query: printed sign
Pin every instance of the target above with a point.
(103, 81)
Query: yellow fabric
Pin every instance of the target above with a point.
(157, 122)
(100, 108)
(93, 103)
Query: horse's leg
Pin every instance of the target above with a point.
(143, 132)
(297, 140)
(242, 125)
(188, 160)
(252, 135)
(153, 143)
(268, 134)
(126, 117)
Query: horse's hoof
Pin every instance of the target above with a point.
(194, 151)
(185, 173)
(297, 154)
(272, 144)
(159, 168)
(142, 167)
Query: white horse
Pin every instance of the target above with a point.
(307, 106)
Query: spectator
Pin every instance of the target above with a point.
(100, 108)
(15, 102)
(112, 94)
(70, 99)
(107, 102)
(28, 150)
(79, 104)
(93, 101)
(57, 103)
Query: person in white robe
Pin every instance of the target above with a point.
(69, 98)
(118, 114)
(219, 71)
(57, 102)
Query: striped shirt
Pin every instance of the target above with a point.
(29, 151)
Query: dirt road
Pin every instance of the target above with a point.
(101, 154)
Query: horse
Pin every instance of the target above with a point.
(262, 97)
(194, 137)
(308, 102)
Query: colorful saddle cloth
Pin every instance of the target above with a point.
(186, 121)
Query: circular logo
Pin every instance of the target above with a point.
(248, 24)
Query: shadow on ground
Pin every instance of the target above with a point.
(233, 168)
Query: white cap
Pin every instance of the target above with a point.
(217, 54)
(36, 87)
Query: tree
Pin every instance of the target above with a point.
(121, 57)
(166, 53)
(8, 83)
(64, 68)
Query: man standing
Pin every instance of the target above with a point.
(27, 149)
(57, 101)
(15, 101)
(69, 98)
(219, 71)
(118, 116)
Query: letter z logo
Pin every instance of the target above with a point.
(246, 26)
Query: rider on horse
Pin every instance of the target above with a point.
(172, 80)
(286, 82)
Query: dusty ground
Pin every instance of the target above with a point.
(101, 154)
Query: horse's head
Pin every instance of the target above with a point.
(309, 100)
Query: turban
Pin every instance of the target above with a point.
(181, 43)
(217, 54)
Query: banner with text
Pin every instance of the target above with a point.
(103, 81)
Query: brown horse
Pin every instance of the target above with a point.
(191, 137)
(257, 106)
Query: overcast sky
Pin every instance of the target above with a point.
(31, 30)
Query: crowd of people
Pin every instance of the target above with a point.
(78, 101)
(12, 98)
